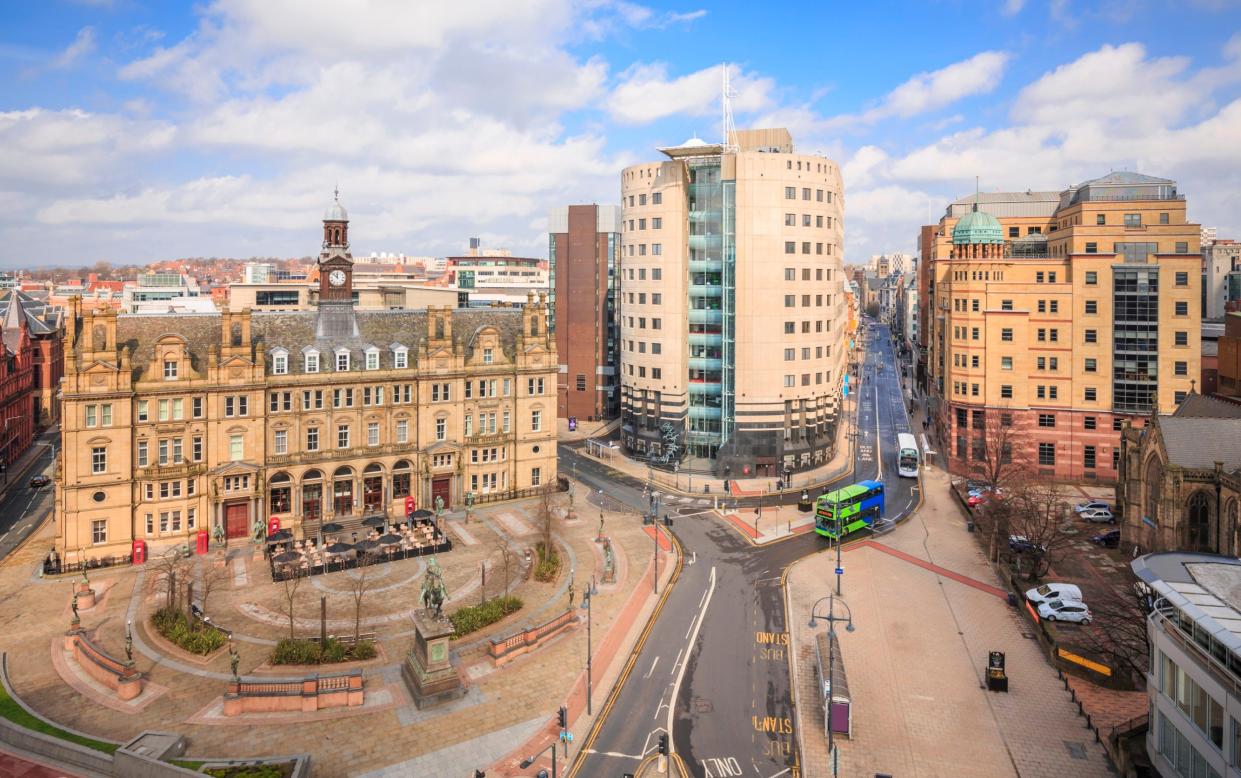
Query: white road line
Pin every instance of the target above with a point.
(782, 772)
(676, 686)
(878, 437)
(618, 755)
(677, 661)
(691, 626)
(648, 672)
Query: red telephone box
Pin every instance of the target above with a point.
(201, 542)
(273, 525)
(410, 505)
(140, 551)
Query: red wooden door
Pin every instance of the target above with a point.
(237, 520)
(441, 487)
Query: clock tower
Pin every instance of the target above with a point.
(335, 261)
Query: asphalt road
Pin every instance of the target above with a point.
(23, 509)
(714, 668)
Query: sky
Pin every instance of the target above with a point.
(135, 130)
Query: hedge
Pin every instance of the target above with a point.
(472, 618)
(309, 652)
(176, 627)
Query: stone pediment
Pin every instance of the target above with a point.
(443, 447)
(100, 366)
(235, 468)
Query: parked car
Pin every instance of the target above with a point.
(1064, 610)
(39, 481)
(1109, 539)
(1021, 544)
(1054, 591)
(1096, 505)
(1098, 516)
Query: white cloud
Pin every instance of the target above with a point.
(1012, 7)
(41, 148)
(980, 74)
(82, 45)
(646, 94)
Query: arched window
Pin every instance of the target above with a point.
(1233, 529)
(372, 488)
(1198, 524)
(312, 495)
(400, 479)
(342, 491)
(1154, 487)
(534, 325)
(281, 494)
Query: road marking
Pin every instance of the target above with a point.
(723, 768)
(782, 772)
(691, 626)
(677, 661)
(619, 755)
(648, 672)
(676, 686)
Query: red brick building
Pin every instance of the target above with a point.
(584, 263)
(34, 362)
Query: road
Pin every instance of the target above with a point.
(714, 669)
(23, 509)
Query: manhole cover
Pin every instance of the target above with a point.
(1076, 750)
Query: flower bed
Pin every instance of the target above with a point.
(472, 618)
(548, 565)
(310, 652)
(175, 626)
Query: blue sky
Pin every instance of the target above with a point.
(132, 131)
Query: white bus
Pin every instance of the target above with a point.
(907, 461)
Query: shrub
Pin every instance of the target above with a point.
(295, 652)
(197, 638)
(249, 771)
(548, 566)
(474, 617)
(363, 649)
(308, 652)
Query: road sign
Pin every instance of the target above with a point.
(840, 571)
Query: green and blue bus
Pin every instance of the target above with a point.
(847, 510)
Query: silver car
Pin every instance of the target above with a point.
(1099, 516)
(1064, 610)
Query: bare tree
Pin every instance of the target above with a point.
(999, 451)
(1035, 511)
(210, 579)
(1118, 630)
(360, 582)
(171, 575)
(502, 545)
(291, 583)
(547, 514)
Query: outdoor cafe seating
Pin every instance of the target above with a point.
(290, 556)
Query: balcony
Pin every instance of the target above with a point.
(706, 363)
(706, 339)
(706, 316)
(705, 412)
(705, 241)
(706, 265)
(705, 290)
(703, 389)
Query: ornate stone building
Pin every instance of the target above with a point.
(1180, 479)
(174, 424)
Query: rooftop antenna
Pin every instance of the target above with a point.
(726, 101)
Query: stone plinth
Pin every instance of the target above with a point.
(427, 670)
(86, 595)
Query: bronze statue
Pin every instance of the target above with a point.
(129, 641)
(434, 592)
(74, 604)
(233, 659)
(570, 593)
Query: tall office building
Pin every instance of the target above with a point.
(733, 313)
(583, 253)
(1062, 315)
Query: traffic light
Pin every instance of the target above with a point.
(725, 484)
(562, 717)
(663, 744)
(479, 774)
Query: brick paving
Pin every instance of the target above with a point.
(13, 766)
(915, 663)
(500, 700)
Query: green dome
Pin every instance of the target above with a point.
(977, 227)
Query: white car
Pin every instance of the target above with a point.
(1097, 505)
(1064, 610)
(1054, 591)
(1099, 516)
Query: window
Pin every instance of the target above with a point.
(1092, 306)
(198, 407)
(1053, 334)
(280, 363)
(657, 198)
(1051, 278)
(1006, 391)
(1006, 334)
(1092, 336)
(1092, 278)
(281, 444)
(342, 360)
(441, 429)
(99, 531)
(1042, 335)
(1181, 368)
(1088, 457)
(170, 370)
(1047, 454)
(805, 193)
(536, 421)
(99, 459)
(402, 431)
(1182, 247)
(1092, 247)
(973, 333)
(1179, 397)
(1091, 365)
(372, 433)
(1100, 218)
(400, 359)
(1014, 232)
(790, 301)
(790, 193)
(196, 448)
(790, 247)
(1006, 305)
(1133, 220)
(312, 439)
(311, 362)
(1006, 363)
(372, 360)
(342, 436)
(536, 476)
(142, 453)
(657, 223)
(1090, 394)
(1181, 338)
(1182, 308)
(1047, 420)
(1052, 391)
(236, 448)
(534, 386)
(1038, 277)
(1042, 363)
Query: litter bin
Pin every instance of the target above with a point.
(969, 526)
(1012, 599)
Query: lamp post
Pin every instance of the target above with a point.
(586, 598)
(831, 618)
(530, 760)
(839, 538)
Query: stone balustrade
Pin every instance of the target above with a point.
(513, 646)
(118, 675)
(311, 693)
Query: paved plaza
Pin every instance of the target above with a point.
(505, 706)
(927, 610)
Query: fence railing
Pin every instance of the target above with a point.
(503, 649)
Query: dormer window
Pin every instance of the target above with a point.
(279, 362)
(312, 361)
(400, 357)
(170, 370)
(488, 356)
(342, 360)
(372, 359)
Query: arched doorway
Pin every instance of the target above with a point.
(373, 488)
(1198, 524)
(342, 491)
(280, 496)
(312, 495)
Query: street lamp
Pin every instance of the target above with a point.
(530, 760)
(831, 618)
(586, 597)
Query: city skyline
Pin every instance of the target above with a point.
(134, 133)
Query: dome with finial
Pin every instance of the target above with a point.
(977, 227)
(336, 212)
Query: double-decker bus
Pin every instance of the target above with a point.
(850, 509)
(907, 460)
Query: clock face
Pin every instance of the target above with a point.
(336, 278)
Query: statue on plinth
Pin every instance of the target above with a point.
(74, 605)
(234, 659)
(434, 592)
(599, 535)
(129, 642)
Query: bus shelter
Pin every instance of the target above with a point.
(837, 701)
